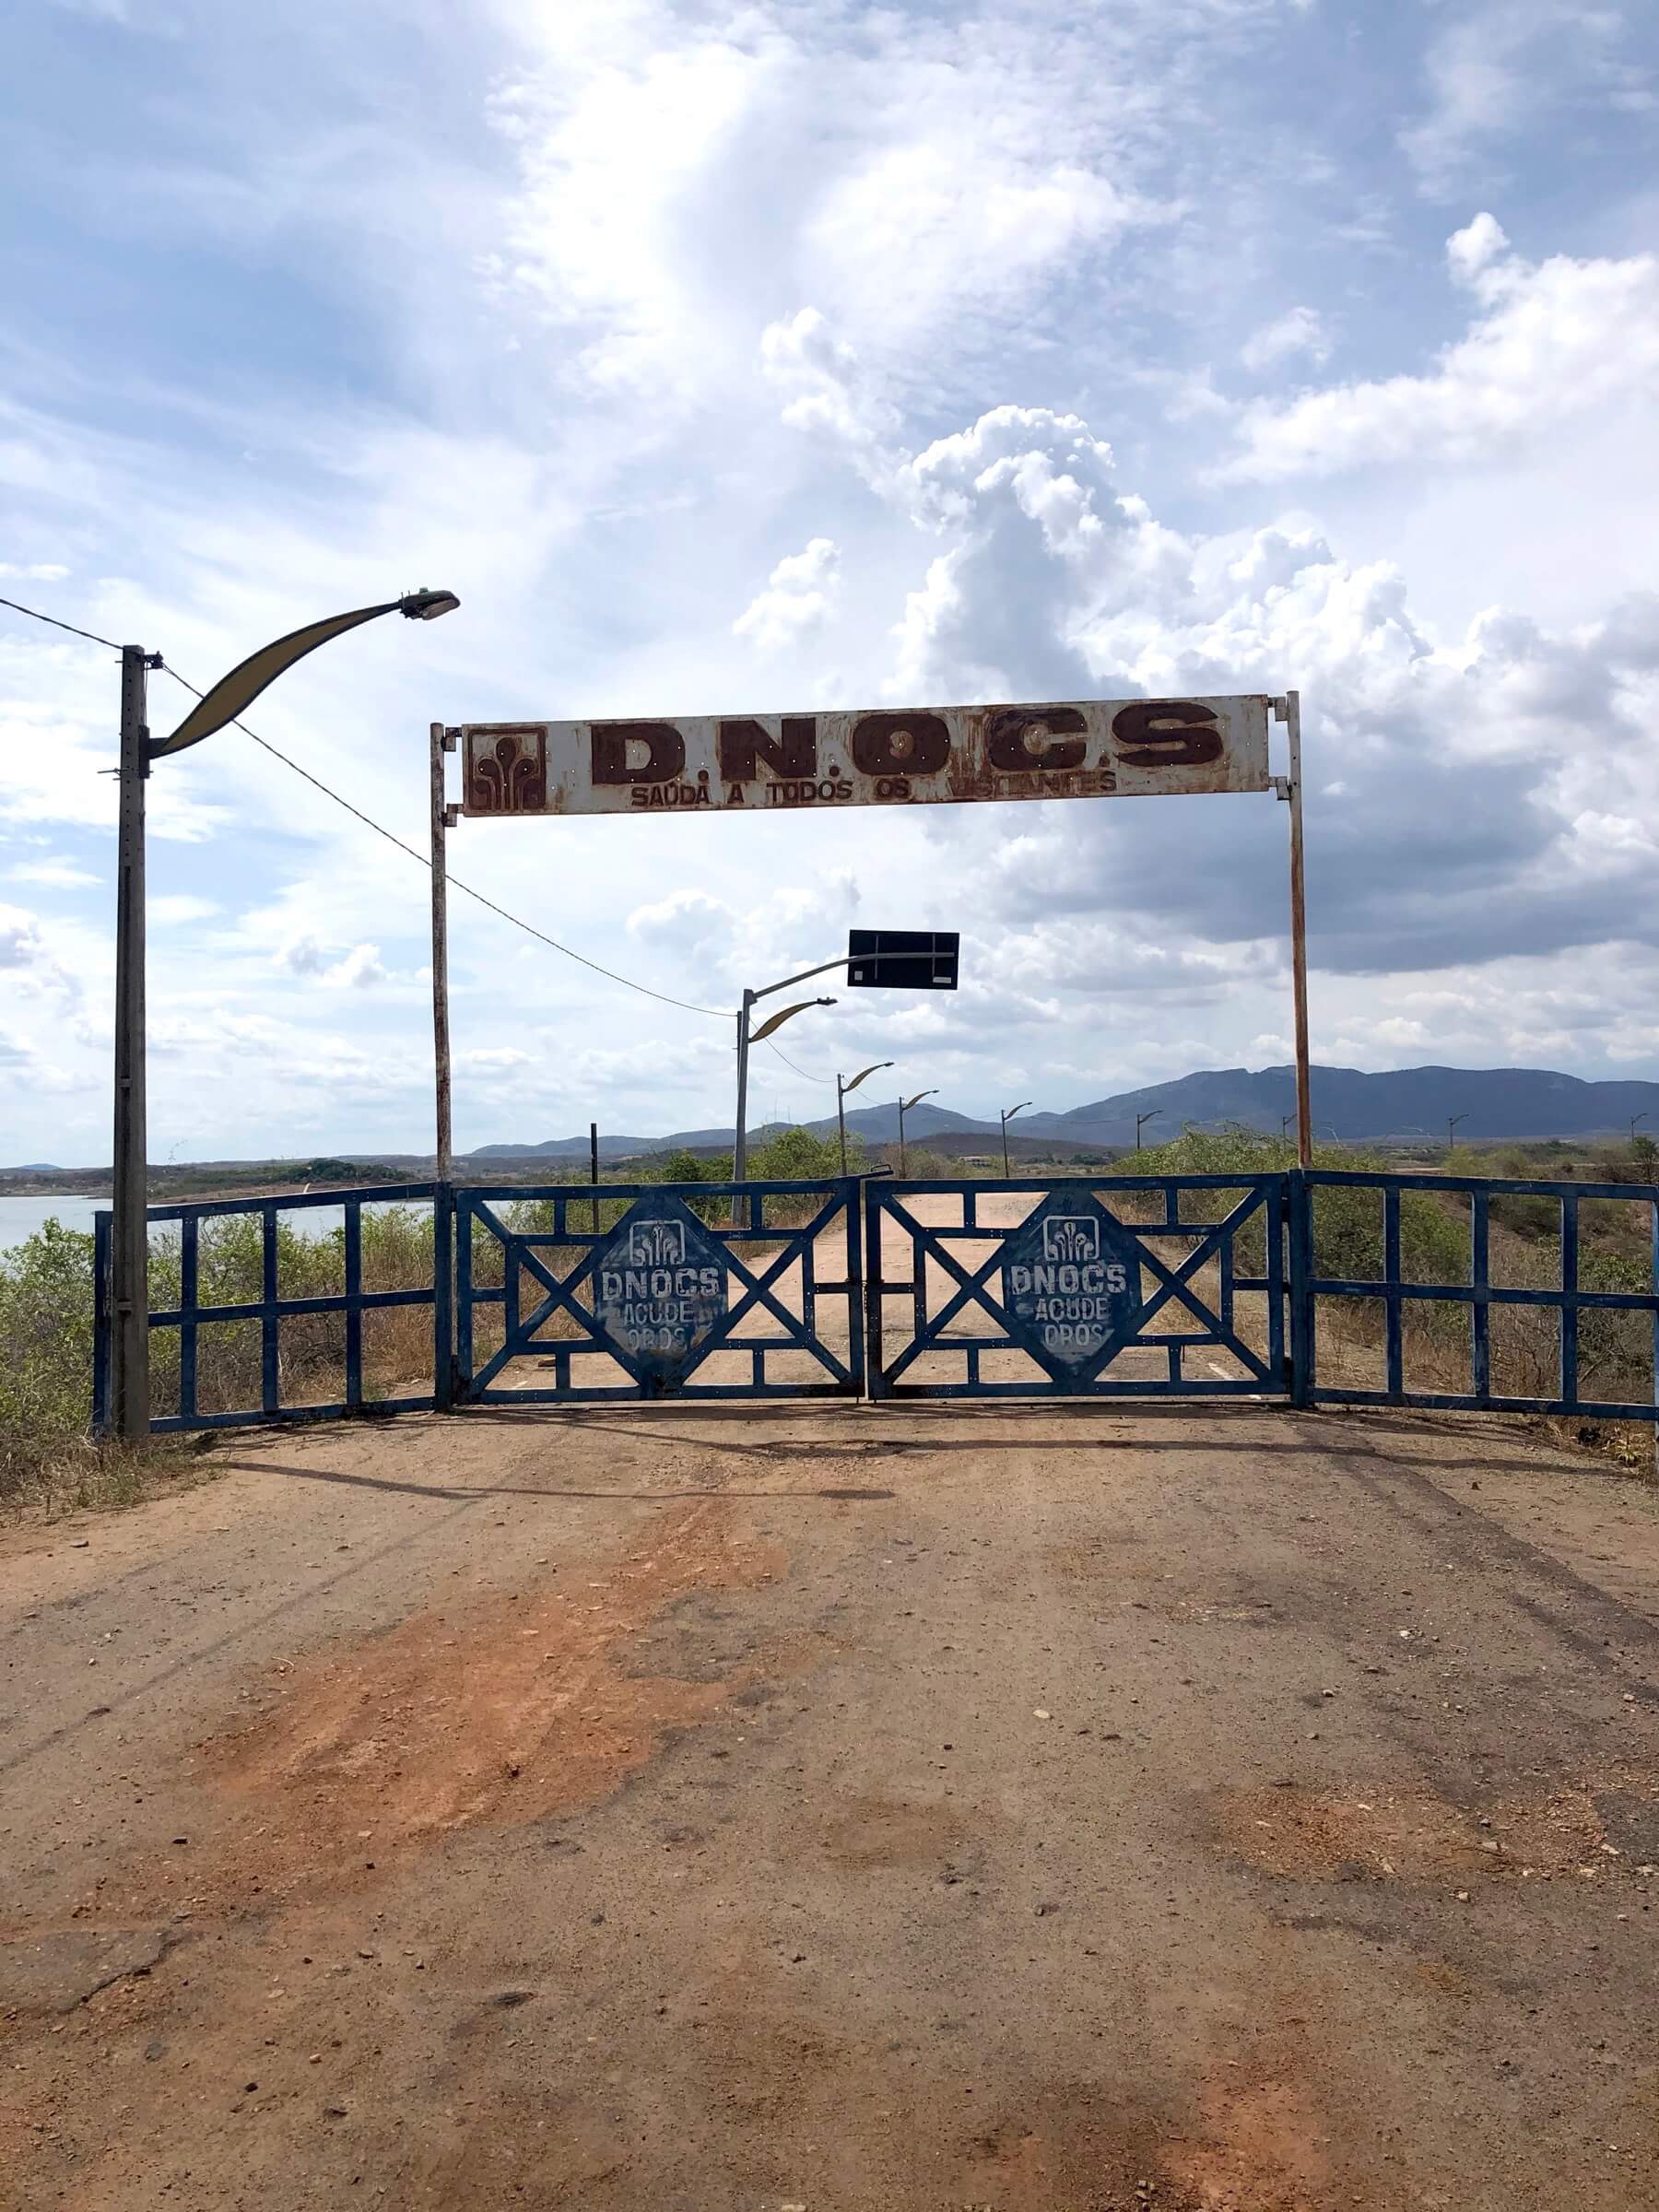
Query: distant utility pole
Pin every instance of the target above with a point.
(1007, 1116)
(904, 1107)
(1634, 1118)
(843, 1086)
(1140, 1122)
(593, 1167)
(1451, 1122)
(1285, 1122)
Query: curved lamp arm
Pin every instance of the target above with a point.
(234, 693)
(863, 1072)
(776, 1021)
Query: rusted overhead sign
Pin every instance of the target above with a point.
(1096, 748)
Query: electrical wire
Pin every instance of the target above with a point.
(719, 1012)
(18, 607)
(569, 953)
(805, 1073)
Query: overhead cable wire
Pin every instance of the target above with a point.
(803, 1072)
(569, 952)
(18, 607)
(392, 838)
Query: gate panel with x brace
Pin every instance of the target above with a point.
(695, 1290)
(1073, 1296)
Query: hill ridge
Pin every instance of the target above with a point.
(1353, 1104)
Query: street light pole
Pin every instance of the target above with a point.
(1141, 1120)
(129, 1251)
(904, 1107)
(746, 1037)
(740, 1136)
(1007, 1116)
(129, 1398)
(1451, 1122)
(841, 1088)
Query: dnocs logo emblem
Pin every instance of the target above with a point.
(659, 1286)
(1071, 1283)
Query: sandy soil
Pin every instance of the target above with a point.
(1025, 1806)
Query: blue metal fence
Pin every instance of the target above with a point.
(1086, 1287)
(271, 1309)
(1477, 1295)
(698, 1290)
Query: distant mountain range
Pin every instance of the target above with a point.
(1488, 1102)
(1348, 1104)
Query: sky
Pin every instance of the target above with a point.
(801, 354)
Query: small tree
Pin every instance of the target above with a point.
(683, 1165)
(796, 1155)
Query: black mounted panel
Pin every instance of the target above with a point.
(902, 959)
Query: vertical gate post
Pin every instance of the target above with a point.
(101, 1322)
(872, 1290)
(1299, 936)
(443, 1310)
(441, 741)
(857, 1307)
(1301, 1297)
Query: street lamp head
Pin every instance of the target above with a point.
(1012, 1110)
(426, 606)
(776, 1021)
(233, 693)
(853, 1082)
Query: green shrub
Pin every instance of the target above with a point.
(683, 1165)
(45, 1350)
(796, 1155)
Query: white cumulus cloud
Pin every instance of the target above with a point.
(1548, 341)
(798, 597)
(1298, 330)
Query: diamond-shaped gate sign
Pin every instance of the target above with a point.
(1071, 1282)
(659, 1287)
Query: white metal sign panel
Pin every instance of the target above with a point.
(1093, 749)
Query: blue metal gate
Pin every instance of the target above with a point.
(696, 1291)
(1360, 1288)
(1158, 1286)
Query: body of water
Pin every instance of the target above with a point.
(19, 1218)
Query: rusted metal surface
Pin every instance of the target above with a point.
(1299, 936)
(440, 1030)
(1093, 749)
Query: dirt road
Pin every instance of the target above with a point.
(940, 1807)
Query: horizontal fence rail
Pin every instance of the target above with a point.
(1332, 1286)
(695, 1290)
(255, 1264)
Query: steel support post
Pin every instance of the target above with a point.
(129, 1403)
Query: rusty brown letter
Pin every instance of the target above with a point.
(1163, 733)
(743, 744)
(665, 752)
(901, 745)
(1009, 731)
